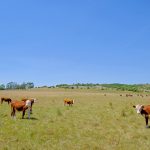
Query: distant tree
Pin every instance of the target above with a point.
(14, 85)
(29, 85)
(11, 85)
(2, 87)
(51, 87)
(22, 86)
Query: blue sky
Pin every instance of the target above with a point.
(75, 41)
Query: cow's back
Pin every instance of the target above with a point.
(147, 109)
(18, 105)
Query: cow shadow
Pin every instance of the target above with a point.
(31, 118)
(148, 126)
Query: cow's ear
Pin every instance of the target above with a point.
(142, 106)
(134, 106)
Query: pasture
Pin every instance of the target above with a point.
(94, 122)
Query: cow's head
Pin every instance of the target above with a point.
(138, 108)
(34, 100)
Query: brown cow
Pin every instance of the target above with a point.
(68, 101)
(129, 95)
(145, 111)
(20, 106)
(5, 100)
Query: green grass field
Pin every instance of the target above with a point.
(94, 122)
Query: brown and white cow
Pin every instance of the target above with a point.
(68, 101)
(20, 106)
(5, 99)
(33, 100)
(143, 110)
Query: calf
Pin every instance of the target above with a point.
(68, 101)
(20, 106)
(143, 110)
(5, 100)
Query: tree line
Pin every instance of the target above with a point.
(116, 86)
(15, 85)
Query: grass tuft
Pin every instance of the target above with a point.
(59, 112)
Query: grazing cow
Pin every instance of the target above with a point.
(129, 95)
(68, 101)
(33, 100)
(143, 110)
(5, 100)
(20, 106)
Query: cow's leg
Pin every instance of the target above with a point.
(29, 111)
(23, 113)
(146, 120)
(31, 108)
(11, 110)
(13, 113)
(1, 101)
